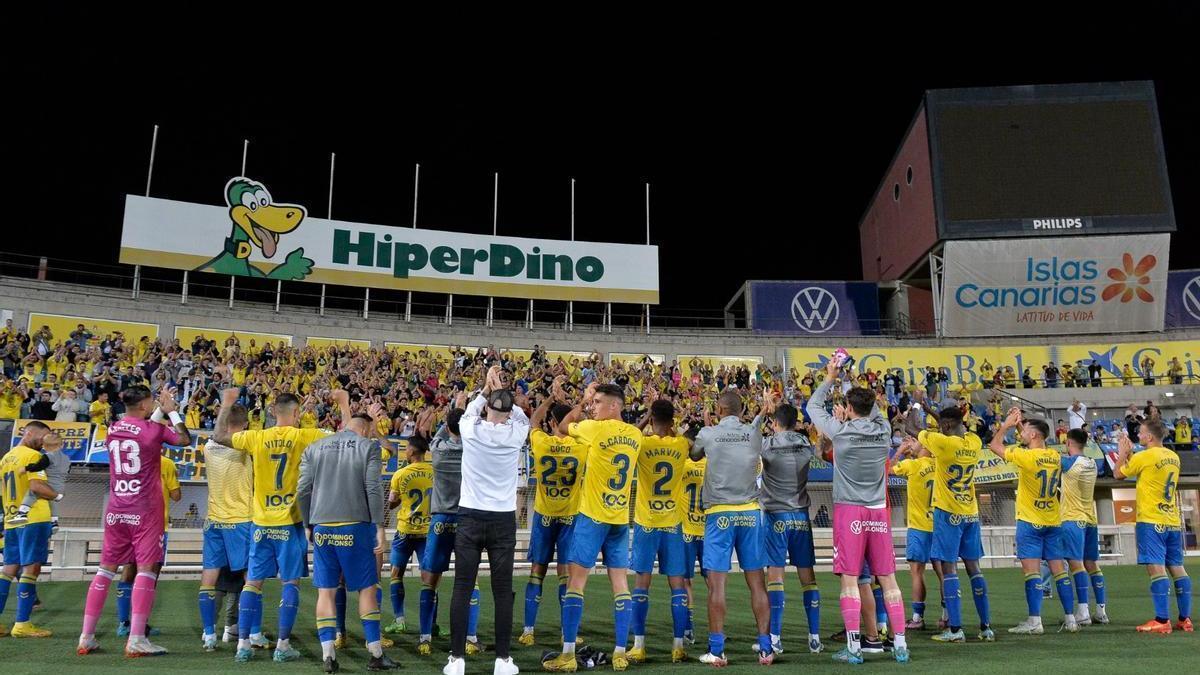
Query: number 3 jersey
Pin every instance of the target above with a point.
(135, 475)
(558, 464)
(613, 447)
(956, 458)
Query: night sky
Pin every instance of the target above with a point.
(763, 136)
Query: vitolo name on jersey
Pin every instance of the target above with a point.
(1057, 224)
(498, 260)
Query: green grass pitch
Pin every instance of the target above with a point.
(1097, 649)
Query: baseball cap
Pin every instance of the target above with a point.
(500, 400)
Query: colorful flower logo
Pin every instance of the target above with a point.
(1130, 279)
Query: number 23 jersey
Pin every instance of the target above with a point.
(613, 447)
(558, 464)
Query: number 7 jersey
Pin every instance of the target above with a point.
(956, 458)
(276, 453)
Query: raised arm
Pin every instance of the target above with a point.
(815, 407)
(179, 434)
(577, 412)
(1011, 420)
(342, 398)
(221, 433)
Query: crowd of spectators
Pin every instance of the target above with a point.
(77, 378)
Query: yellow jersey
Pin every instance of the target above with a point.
(920, 474)
(1038, 473)
(660, 469)
(414, 486)
(308, 420)
(100, 412)
(558, 464)
(1078, 485)
(230, 484)
(276, 453)
(169, 474)
(1157, 473)
(613, 447)
(14, 485)
(10, 405)
(687, 497)
(954, 480)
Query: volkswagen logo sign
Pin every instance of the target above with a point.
(814, 309)
(1191, 297)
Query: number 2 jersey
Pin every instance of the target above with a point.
(954, 480)
(558, 464)
(613, 447)
(135, 471)
(660, 469)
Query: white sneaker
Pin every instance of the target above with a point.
(228, 636)
(1082, 617)
(1069, 624)
(1101, 615)
(143, 647)
(455, 666)
(1028, 627)
(714, 660)
(505, 667)
(210, 643)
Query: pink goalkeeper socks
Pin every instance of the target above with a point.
(851, 612)
(96, 597)
(143, 602)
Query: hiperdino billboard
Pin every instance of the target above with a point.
(254, 235)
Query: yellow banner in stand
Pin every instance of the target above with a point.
(61, 326)
(321, 342)
(964, 362)
(187, 334)
(715, 362)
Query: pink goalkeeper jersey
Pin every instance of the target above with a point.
(134, 454)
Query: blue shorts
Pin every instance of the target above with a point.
(1079, 541)
(788, 537)
(664, 543)
(1038, 542)
(919, 544)
(440, 543)
(28, 544)
(955, 537)
(693, 552)
(226, 545)
(590, 538)
(547, 535)
(344, 552)
(404, 547)
(728, 531)
(278, 551)
(1156, 544)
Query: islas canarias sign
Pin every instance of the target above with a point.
(256, 235)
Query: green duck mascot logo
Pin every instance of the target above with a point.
(258, 222)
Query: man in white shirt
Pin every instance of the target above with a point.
(493, 430)
(1077, 416)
